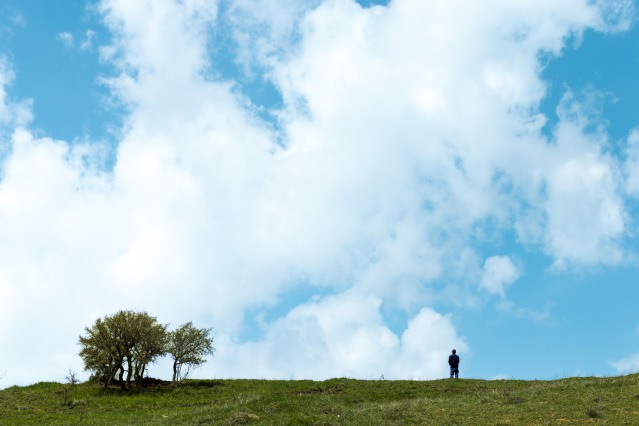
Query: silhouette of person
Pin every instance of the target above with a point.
(453, 361)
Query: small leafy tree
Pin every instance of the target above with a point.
(188, 346)
(149, 341)
(102, 351)
(124, 342)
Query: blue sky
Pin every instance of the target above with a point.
(339, 188)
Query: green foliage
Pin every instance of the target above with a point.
(124, 342)
(188, 346)
(572, 401)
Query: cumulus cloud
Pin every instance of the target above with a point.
(499, 273)
(584, 192)
(344, 336)
(391, 153)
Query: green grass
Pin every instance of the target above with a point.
(570, 401)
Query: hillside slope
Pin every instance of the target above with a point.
(570, 401)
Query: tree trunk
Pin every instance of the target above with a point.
(109, 376)
(175, 364)
(129, 374)
(121, 377)
(139, 375)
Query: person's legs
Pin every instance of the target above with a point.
(452, 372)
(457, 373)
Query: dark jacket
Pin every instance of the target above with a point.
(453, 361)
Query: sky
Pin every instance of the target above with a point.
(338, 188)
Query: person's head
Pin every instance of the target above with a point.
(454, 351)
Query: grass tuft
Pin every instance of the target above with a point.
(594, 413)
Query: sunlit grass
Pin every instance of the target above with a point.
(570, 401)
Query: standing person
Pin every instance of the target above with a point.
(453, 361)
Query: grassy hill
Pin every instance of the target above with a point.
(570, 401)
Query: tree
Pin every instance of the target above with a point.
(188, 346)
(102, 351)
(149, 341)
(124, 342)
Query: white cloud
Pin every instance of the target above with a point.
(69, 41)
(343, 336)
(66, 38)
(6, 78)
(499, 273)
(631, 165)
(12, 113)
(264, 30)
(627, 365)
(397, 150)
(615, 16)
(87, 43)
(584, 192)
